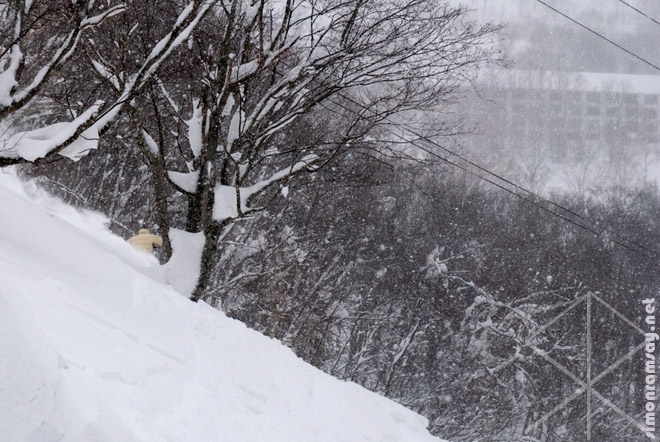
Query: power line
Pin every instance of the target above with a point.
(509, 186)
(505, 184)
(612, 42)
(639, 12)
(540, 202)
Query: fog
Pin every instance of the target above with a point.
(571, 111)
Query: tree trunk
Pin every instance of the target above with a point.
(194, 215)
(158, 171)
(202, 213)
(159, 175)
(208, 260)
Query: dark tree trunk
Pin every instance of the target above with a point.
(158, 171)
(159, 175)
(194, 215)
(208, 260)
(212, 230)
(201, 212)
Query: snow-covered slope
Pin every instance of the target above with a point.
(94, 349)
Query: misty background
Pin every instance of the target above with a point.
(539, 147)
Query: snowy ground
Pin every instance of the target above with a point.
(95, 346)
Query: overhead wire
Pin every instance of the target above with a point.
(564, 213)
(509, 186)
(599, 35)
(506, 184)
(639, 11)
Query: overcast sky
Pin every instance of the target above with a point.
(613, 19)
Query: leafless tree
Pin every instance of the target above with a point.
(38, 39)
(256, 70)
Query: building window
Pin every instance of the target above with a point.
(519, 109)
(555, 95)
(555, 124)
(631, 98)
(651, 99)
(593, 135)
(612, 98)
(574, 98)
(574, 110)
(593, 111)
(651, 112)
(631, 125)
(556, 109)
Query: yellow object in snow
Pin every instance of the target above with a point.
(146, 241)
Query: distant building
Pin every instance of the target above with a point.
(565, 111)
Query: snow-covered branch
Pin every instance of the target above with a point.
(232, 201)
(97, 118)
(15, 93)
(73, 139)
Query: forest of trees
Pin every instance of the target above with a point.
(270, 129)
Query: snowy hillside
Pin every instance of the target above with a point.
(93, 348)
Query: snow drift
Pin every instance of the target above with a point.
(95, 346)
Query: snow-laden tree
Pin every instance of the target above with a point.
(253, 74)
(36, 39)
(39, 40)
